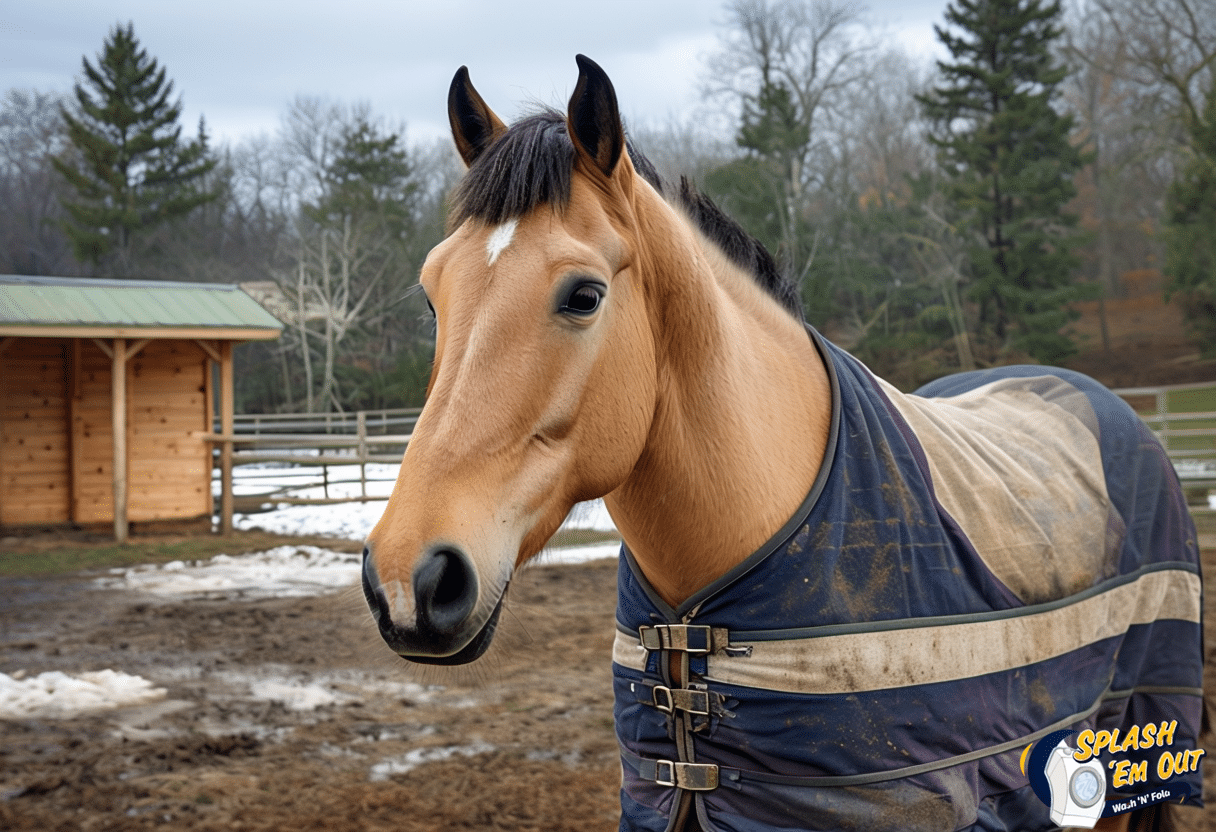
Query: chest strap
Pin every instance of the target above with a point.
(668, 700)
(693, 639)
(692, 777)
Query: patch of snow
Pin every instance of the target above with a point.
(590, 515)
(296, 697)
(59, 695)
(579, 554)
(412, 759)
(354, 521)
(282, 572)
(346, 521)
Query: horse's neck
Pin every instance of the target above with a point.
(739, 431)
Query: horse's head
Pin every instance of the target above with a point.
(543, 385)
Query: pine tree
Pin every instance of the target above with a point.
(353, 259)
(1190, 226)
(1009, 166)
(129, 167)
(762, 187)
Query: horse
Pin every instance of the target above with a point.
(839, 606)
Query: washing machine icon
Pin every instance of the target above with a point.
(1077, 789)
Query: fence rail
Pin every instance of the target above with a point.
(375, 422)
(321, 441)
(1182, 416)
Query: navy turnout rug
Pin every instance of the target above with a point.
(1002, 555)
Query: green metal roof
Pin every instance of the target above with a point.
(61, 304)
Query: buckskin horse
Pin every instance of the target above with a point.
(839, 606)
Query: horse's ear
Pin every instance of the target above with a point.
(474, 125)
(594, 121)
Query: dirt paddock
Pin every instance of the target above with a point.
(524, 742)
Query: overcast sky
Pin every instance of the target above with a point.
(239, 62)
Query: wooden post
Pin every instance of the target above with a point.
(361, 431)
(118, 416)
(226, 408)
(75, 431)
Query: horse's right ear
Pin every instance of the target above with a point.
(474, 125)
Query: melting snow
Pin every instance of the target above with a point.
(285, 571)
(282, 572)
(59, 695)
(412, 759)
(296, 697)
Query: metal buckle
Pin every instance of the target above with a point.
(661, 766)
(693, 777)
(668, 700)
(694, 639)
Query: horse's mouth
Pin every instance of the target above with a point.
(471, 651)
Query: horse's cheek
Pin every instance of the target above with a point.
(619, 406)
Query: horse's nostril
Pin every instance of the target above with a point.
(371, 590)
(445, 589)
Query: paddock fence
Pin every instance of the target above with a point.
(1184, 418)
(313, 458)
(319, 458)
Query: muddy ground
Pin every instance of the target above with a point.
(526, 744)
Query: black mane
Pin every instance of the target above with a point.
(531, 165)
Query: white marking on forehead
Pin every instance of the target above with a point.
(500, 238)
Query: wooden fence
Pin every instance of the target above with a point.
(1184, 418)
(322, 445)
(267, 448)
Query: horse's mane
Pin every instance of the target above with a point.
(530, 165)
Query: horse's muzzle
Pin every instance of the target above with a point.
(445, 589)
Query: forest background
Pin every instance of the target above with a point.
(937, 217)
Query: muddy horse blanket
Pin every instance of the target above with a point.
(1005, 554)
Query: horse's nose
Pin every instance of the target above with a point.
(445, 590)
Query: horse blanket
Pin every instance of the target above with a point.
(1006, 554)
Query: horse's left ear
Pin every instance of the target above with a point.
(594, 121)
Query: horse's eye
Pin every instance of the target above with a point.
(584, 300)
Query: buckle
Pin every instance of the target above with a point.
(693, 777)
(665, 773)
(668, 700)
(694, 639)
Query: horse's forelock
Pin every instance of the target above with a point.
(529, 166)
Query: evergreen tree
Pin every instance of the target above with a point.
(1009, 167)
(130, 169)
(1190, 226)
(355, 264)
(762, 188)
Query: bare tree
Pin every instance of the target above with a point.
(1170, 48)
(31, 133)
(787, 68)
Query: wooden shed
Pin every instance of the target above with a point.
(107, 390)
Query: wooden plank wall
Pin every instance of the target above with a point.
(47, 385)
(35, 458)
(169, 470)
